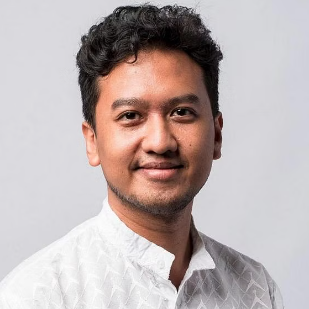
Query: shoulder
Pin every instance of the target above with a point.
(42, 270)
(236, 269)
(227, 257)
(229, 260)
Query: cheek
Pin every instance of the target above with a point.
(200, 140)
(200, 150)
(116, 150)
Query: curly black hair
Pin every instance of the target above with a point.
(130, 29)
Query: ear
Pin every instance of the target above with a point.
(91, 144)
(218, 123)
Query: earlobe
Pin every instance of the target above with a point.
(218, 123)
(91, 144)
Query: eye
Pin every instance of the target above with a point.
(184, 115)
(129, 118)
(182, 112)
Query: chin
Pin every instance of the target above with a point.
(158, 204)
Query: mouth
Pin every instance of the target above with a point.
(160, 165)
(160, 171)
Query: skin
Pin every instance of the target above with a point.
(155, 139)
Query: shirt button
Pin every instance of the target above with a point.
(161, 264)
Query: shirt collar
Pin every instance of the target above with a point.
(200, 259)
(145, 253)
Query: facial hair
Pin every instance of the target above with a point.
(156, 205)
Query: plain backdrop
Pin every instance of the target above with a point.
(256, 198)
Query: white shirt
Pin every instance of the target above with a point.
(104, 264)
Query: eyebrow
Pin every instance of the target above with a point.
(189, 98)
(128, 102)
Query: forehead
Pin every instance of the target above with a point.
(156, 75)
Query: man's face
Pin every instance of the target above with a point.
(155, 134)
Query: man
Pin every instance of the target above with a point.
(149, 85)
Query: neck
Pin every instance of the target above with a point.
(172, 235)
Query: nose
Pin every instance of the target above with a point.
(158, 137)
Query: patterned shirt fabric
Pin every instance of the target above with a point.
(103, 264)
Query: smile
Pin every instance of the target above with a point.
(160, 171)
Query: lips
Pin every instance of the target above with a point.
(160, 171)
(160, 165)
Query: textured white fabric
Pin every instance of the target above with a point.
(103, 264)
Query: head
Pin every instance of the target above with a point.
(149, 84)
(130, 29)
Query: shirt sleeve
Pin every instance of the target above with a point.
(4, 304)
(11, 302)
(274, 292)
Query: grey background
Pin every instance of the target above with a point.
(256, 198)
